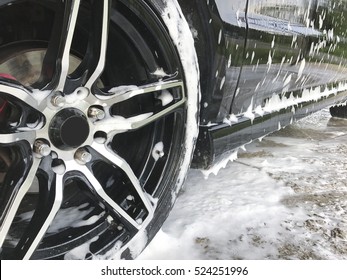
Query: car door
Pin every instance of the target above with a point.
(233, 37)
(272, 47)
(291, 46)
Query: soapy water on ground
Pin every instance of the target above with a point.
(285, 197)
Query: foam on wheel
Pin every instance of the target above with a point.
(98, 119)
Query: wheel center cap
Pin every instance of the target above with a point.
(69, 129)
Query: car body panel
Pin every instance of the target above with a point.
(233, 14)
(283, 60)
(205, 24)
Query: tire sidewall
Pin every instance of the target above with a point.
(179, 31)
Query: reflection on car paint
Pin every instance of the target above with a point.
(276, 50)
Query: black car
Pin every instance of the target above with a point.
(105, 104)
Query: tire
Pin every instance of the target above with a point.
(339, 111)
(98, 121)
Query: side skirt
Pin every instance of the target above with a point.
(217, 141)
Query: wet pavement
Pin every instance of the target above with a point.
(285, 197)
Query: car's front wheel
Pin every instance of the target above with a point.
(98, 118)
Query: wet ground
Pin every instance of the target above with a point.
(285, 197)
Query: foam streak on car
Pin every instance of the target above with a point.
(105, 104)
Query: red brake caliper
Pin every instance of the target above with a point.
(3, 102)
(7, 76)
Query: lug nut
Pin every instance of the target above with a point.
(82, 156)
(58, 100)
(41, 148)
(96, 113)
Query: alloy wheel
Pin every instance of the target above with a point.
(92, 121)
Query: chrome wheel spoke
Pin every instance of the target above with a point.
(21, 107)
(17, 91)
(123, 93)
(102, 153)
(94, 61)
(58, 53)
(122, 164)
(118, 124)
(43, 217)
(106, 199)
(17, 136)
(11, 197)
